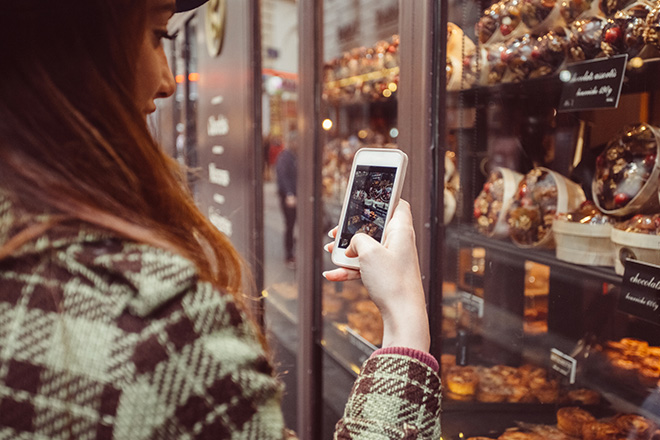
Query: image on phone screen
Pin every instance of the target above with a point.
(368, 203)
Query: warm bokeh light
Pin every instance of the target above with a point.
(193, 77)
(362, 134)
(179, 79)
(327, 124)
(387, 93)
(393, 87)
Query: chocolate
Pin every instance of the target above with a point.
(587, 213)
(570, 10)
(624, 34)
(533, 209)
(586, 36)
(488, 204)
(652, 31)
(529, 57)
(610, 7)
(501, 19)
(534, 12)
(624, 167)
(489, 22)
(641, 224)
(496, 63)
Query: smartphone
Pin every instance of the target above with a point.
(373, 191)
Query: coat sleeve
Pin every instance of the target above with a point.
(394, 397)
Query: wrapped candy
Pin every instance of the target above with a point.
(587, 213)
(586, 36)
(541, 195)
(529, 57)
(641, 224)
(540, 15)
(492, 203)
(626, 178)
(488, 23)
(493, 64)
(500, 21)
(625, 32)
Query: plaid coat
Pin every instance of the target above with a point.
(101, 338)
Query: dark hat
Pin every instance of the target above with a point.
(187, 5)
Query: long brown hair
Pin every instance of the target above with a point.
(73, 142)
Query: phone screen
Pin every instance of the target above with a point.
(368, 203)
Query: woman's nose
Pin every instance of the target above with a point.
(167, 83)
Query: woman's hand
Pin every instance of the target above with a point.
(390, 272)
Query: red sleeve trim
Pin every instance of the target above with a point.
(420, 355)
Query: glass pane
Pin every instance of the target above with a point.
(359, 109)
(538, 323)
(280, 150)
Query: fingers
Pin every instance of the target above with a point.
(332, 233)
(360, 245)
(341, 274)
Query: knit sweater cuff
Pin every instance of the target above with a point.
(420, 355)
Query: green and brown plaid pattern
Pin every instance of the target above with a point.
(395, 397)
(106, 339)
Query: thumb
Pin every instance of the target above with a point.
(360, 244)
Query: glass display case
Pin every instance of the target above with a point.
(549, 316)
(360, 78)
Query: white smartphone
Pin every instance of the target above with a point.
(372, 193)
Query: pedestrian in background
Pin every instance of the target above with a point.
(287, 176)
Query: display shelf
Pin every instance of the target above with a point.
(641, 76)
(466, 235)
(346, 346)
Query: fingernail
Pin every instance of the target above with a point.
(327, 247)
(330, 234)
(325, 275)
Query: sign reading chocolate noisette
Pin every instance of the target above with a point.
(640, 291)
(592, 84)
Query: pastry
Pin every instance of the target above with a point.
(491, 393)
(584, 396)
(520, 394)
(462, 381)
(633, 426)
(515, 434)
(596, 430)
(624, 166)
(571, 419)
(546, 391)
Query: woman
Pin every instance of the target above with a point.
(121, 312)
